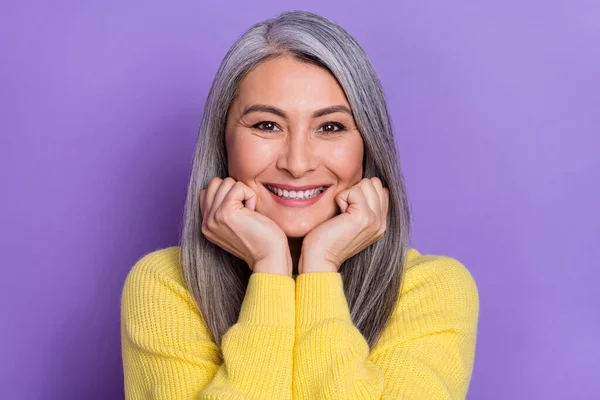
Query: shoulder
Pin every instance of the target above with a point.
(439, 284)
(164, 263)
(442, 270)
(154, 278)
(158, 312)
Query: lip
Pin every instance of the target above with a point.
(288, 187)
(296, 202)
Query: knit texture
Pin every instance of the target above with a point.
(294, 338)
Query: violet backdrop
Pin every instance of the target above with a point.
(496, 107)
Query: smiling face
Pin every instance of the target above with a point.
(291, 124)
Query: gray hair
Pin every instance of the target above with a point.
(372, 278)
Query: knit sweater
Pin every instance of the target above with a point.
(295, 339)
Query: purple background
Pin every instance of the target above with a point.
(497, 113)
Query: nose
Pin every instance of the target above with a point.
(298, 156)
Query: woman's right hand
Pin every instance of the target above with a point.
(229, 221)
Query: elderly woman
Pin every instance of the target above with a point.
(294, 278)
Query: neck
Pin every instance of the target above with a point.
(295, 251)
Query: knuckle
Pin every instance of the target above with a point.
(372, 220)
(222, 215)
(205, 230)
(212, 224)
(238, 185)
(212, 185)
(219, 215)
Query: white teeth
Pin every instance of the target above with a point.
(292, 194)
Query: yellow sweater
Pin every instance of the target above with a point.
(294, 338)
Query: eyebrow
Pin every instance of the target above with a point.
(282, 114)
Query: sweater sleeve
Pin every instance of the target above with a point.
(168, 352)
(426, 350)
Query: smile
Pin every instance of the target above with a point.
(296, 195)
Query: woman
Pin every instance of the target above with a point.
(294, 278)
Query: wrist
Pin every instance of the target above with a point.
(314, 263)
(281, 265)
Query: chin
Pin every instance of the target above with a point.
(296, 230)
(295, 233)
(296, 222)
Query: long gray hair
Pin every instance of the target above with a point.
(372, 278)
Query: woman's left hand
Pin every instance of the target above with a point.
(362, 222)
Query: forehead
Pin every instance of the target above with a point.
(292, 84)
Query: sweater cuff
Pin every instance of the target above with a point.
(320, 296)
(269, 300)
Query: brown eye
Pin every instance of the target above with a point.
(266, 126)
(330, 127)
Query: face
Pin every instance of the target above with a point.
(290, 125)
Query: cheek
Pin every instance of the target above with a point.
(346, 161)
(246, 158)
